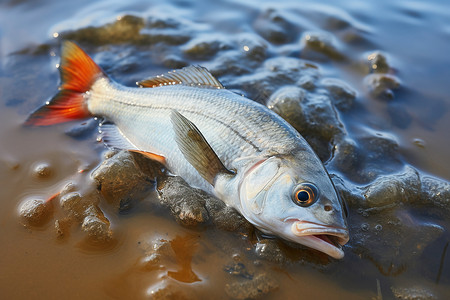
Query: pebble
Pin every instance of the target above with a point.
(342, 94)
(35, 212)
(382, 86)
(320, 45)
(413, 293)
(42, 170)
(260, 285)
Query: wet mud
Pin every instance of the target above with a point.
(138, 231)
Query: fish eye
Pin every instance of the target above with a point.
(305, 194)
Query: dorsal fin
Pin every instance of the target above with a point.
(196, 149)
(192, 76)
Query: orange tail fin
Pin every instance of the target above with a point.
(78, 74)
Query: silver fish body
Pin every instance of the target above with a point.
(224, 143)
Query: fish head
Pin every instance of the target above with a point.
(294, 198)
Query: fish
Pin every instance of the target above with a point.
(219, 141)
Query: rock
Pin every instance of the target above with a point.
(319, 45)
(391, 238)
(120, 180)
(205, 46)
(238, 269)
(282, 252)
(376, 62)
(97, 228)
(436, 192)
(253, 46)
(269, 249)
(75, 205)
(42, 170)
(35, 212)
(225, 217)
(125, 29)
(349, 193)
(394, 189)
(229, 62)
(312, 114)
(186, 204)
(274, 27)
(347, 158)
(156, 251)
(342, 94)
(381, 86)
(413, 293)
(258, 286)
(192, 206)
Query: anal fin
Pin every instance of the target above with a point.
(114, 138)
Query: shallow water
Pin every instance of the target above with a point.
(399, 248)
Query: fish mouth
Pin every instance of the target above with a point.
(324, 238)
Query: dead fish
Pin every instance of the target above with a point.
(226, 144)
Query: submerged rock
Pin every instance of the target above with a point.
(97, 227)
(437, 193)
(316, 45)
(191, 206)
(125, 29)
(42, 170)
(394, 189)
(120, 180)
(205, 46)
(312, 114)
(254, 288)
(342, 94)
(391, 239)
(376, 62)
(382, 85)
(413, 293)
(35, 212)
(186, 204)
(274, 27)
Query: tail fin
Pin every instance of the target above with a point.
(78, 73)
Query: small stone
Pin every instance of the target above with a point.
(394, 189)
(274, 27)
(120, 180)
(62, 227)
(260, 285)
(342, 94)
(377, 62)
(186, 204)
(413, 293)
(42, 170)
(253, 46)
(97, 228)
(436, 192)
(35, 212)
(206, 46)
(74, 204)
(382, 85)
(317, 45)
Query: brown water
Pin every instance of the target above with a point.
(35, 264)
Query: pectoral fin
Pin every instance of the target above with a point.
(196, 149)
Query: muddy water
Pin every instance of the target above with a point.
(397, 247)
